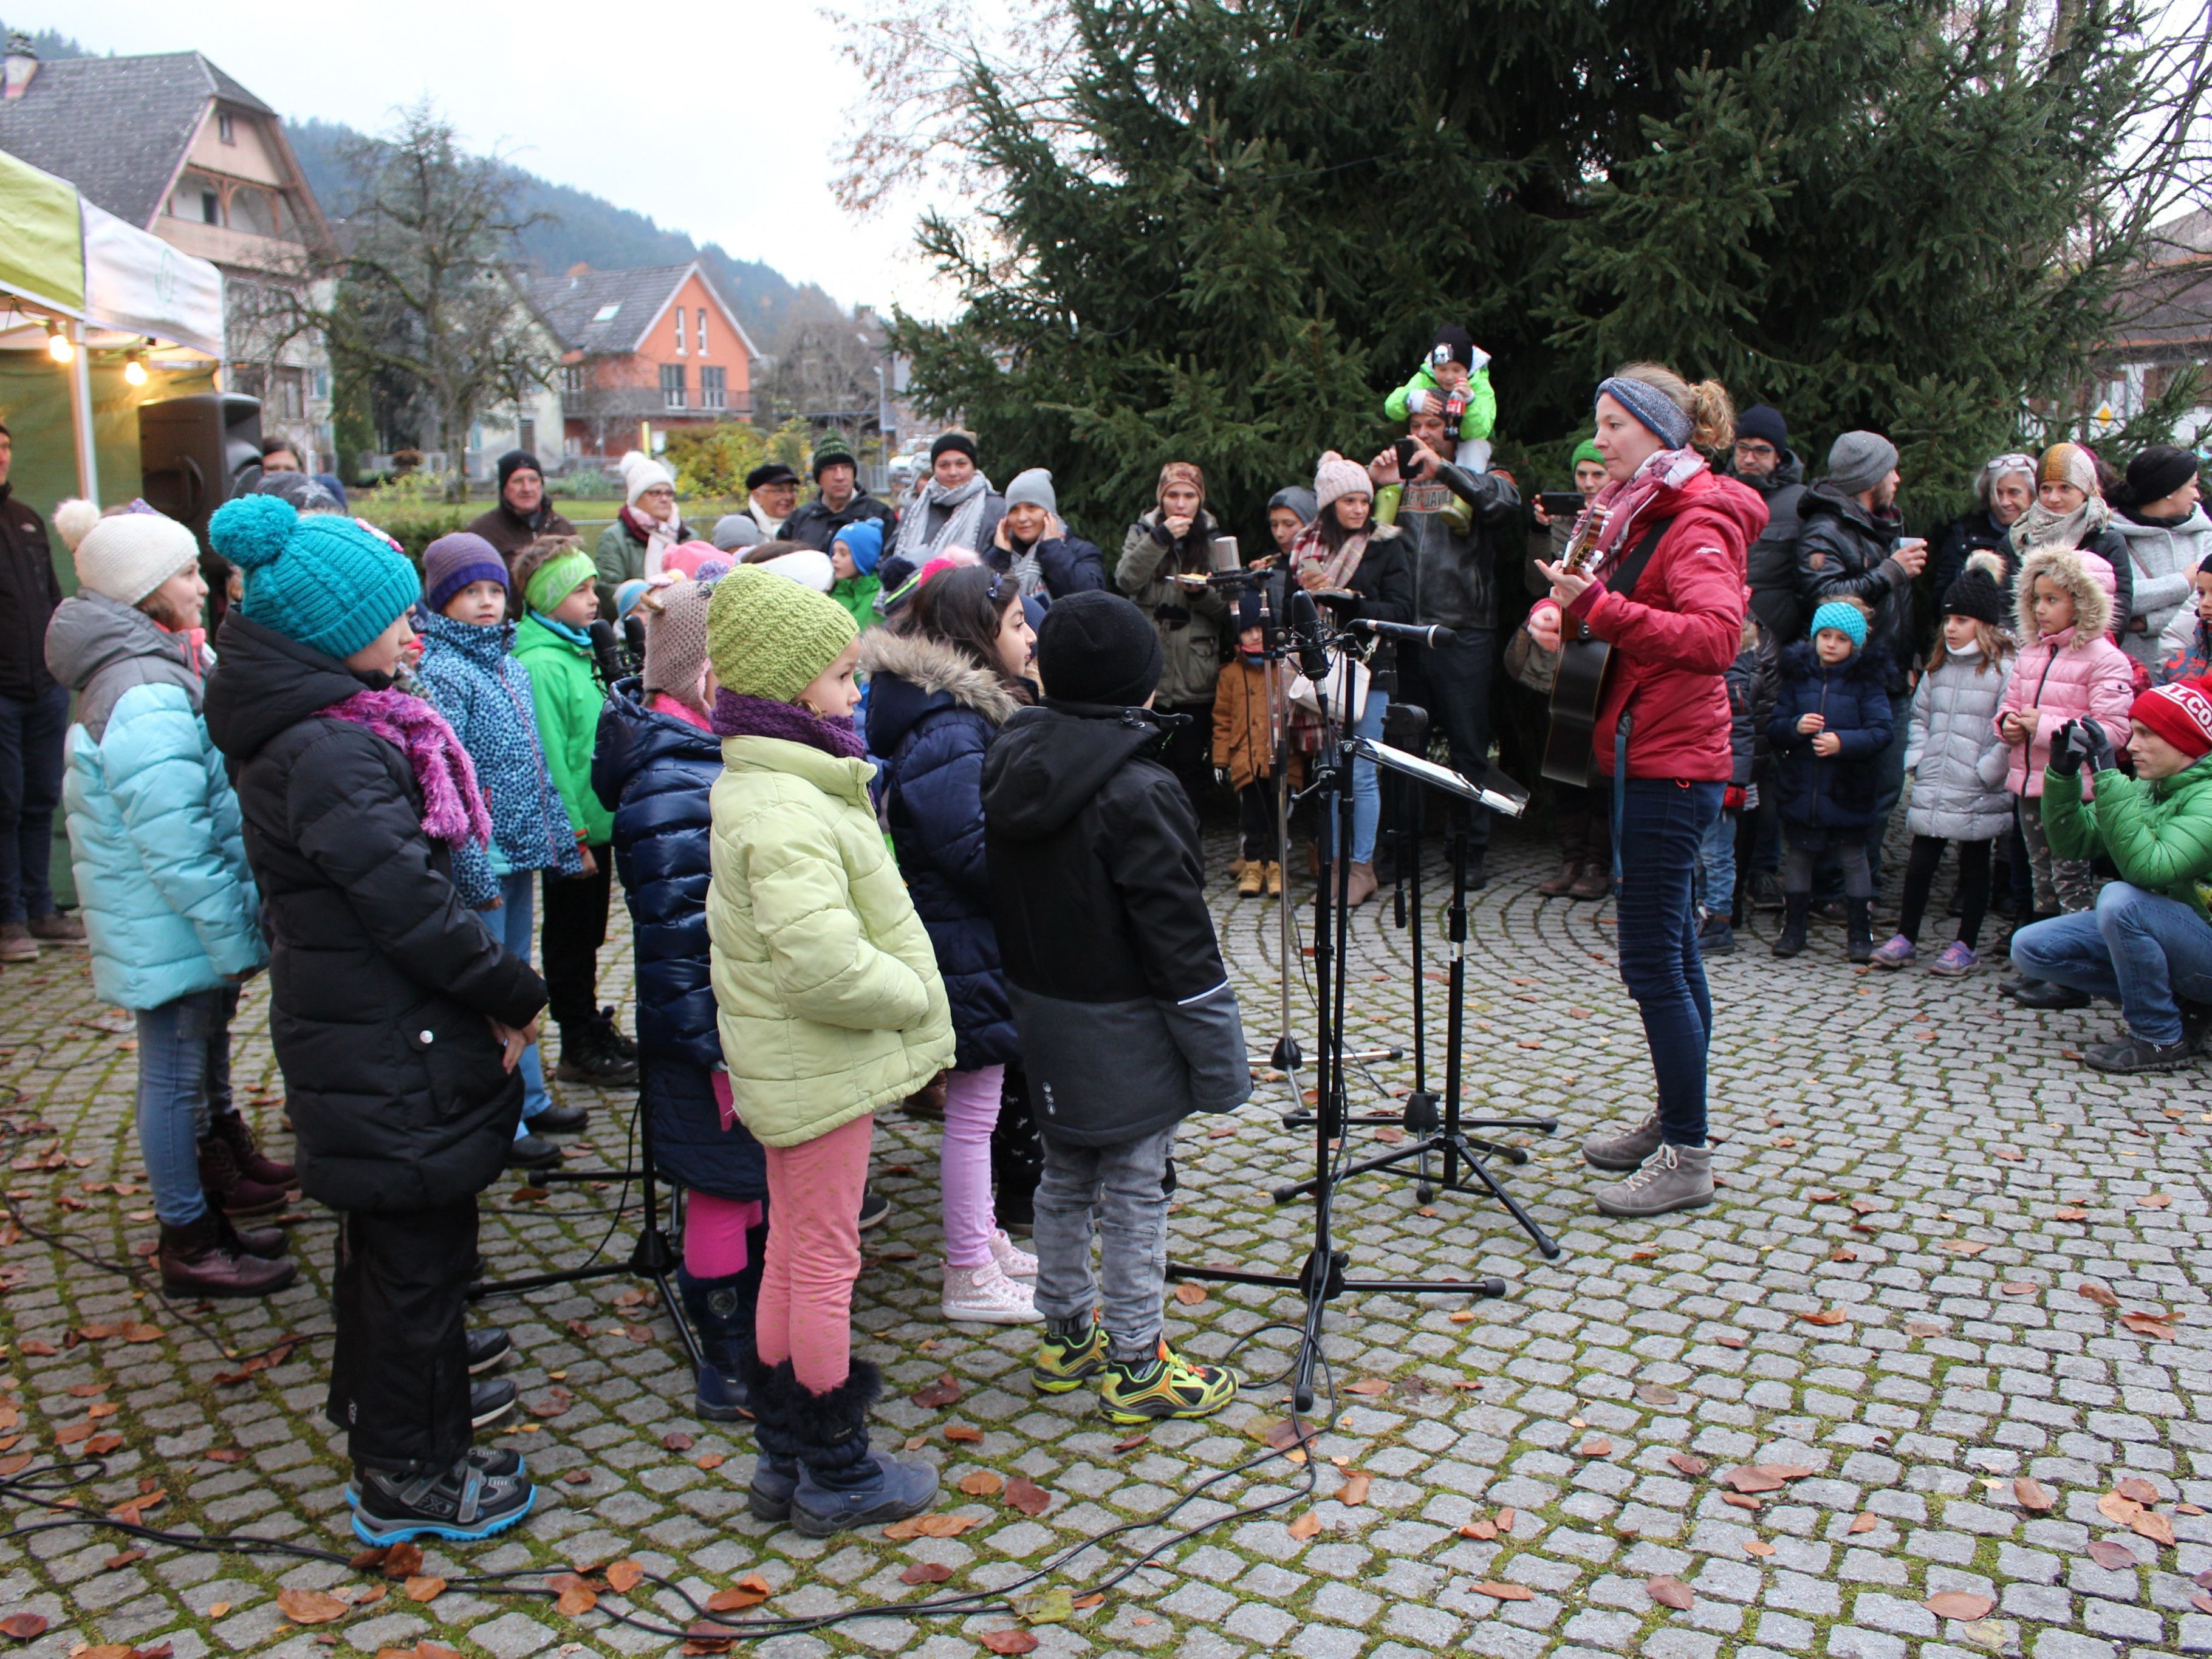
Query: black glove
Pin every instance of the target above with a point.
(2095, 745)
(2065, 758)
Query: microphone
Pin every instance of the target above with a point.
(1431, 637)
(604, 653)
(1312, 639)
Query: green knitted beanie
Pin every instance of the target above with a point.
(1587, 451)
(769, 637)
(327, 581)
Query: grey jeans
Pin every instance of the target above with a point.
(1118, 1192)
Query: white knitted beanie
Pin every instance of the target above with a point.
(126, 556)
(640, 472)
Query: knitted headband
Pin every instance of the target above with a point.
(557, 578)
(1653, 407)
(2180, 713)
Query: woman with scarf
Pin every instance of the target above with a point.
(2003, 490)
(398, 1018)
(1357, 568)
(2168, 537)
(2069, 511)
(1171, 542)
(637, 543)
(1666, 593)
(956, 506)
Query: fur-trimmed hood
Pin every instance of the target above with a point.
(910, 675)
(2086, 577)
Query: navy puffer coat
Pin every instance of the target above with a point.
(654, 770)
(931, 712)
(1834, 792)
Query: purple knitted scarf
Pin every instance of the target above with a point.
(454, 809)
(736, 715)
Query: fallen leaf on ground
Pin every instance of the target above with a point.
(1753, 1477)
(1670, 1593)
(402, 1560)
(1864, 1522)
(980, 1483)
(2135, 1487)
(1353, 1493)
(1370, 1385)
(23, 1626)
(2092, 1290)
(1190, 1295)
(1095, 1599)
(2156, 1527)
(1688, 1462)
(1485, 1530)
(1132, 1443)
(1505, 1519)
(941, 1393)
(1963, 1605)
(1730, 1340)
(2033, 1495)
(1963, 1246)
(712, 1461)
(625, 1576)
(733, 1600)
(1051, 1605)
(2153, 1200)
(1499, 1592)
(1920, 1327)
(424, 1587)
(123, 1559)
(2111, 1556)
(1758, 1547)
(1028, 1497)
(2010, 1154)
(1597, 1447)
(1843, 1252)
(1658, 1393)
(1010, 1641)
(2149, 1324)
(2070, 1214)
(926, 1572)
(964, 1434)
(310, 1606)
(1305, 1526)
(676, 1440)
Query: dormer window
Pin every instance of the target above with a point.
(224, 130)
(607, 313)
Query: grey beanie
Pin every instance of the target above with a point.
(1860, 460)
(1299, 499)
(734, 531)
(1033, 488)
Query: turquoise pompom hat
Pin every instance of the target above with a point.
(331, 583)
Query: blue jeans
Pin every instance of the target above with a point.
(510, 922)
(2137, 948)
(30, 789)
(1663, 824)
(1366, 789)
(1717, 866)
(184, 1079)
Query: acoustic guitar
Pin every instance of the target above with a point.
(1579, 685)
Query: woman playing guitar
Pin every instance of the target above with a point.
(1667, 592)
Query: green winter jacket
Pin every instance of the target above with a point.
(2158, 834)
(826, 988)
(568, 699)
(1479, 416)
(857, 594)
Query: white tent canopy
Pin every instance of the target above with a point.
(137, 284)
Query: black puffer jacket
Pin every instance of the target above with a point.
(815, 524)
(1843, 553)
(653, 772)
(1772, 559)
(383, 983)
(1127, 1020)
(932, 714)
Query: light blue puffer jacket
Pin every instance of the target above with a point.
(153, 825)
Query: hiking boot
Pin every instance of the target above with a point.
(486, 1348)
(1957, 960)
(230, 1129)
(16, 944)
(1895, 952)
(843, 1482)
(528, 1151)
(498, 1461)
(985, 1296)
(1363, 883)
(1250, 880)
(1064, 1361)
(1134, 1391)
(588, 1054)
(1763, 890)
(2043, 993)
(2132, 1054)
(1570, 870)
(722, 1319)
(267, 1242)
(197, 1259)
(1624, 1150)
(490, 1401)
(1790, 941)
(462, 1502)
(558, 1120)
(1013, 1260)
(1858, 927)
(623, 1044)
(58, 927)
(1716, 938)
(1274, 879)
(1672, 1178)
(1595, 882)
(228, 1188)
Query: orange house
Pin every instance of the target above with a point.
(655, 344)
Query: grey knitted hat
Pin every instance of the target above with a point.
(1860, 460)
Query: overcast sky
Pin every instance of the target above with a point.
(716, 119)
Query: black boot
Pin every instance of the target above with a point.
(1859, 922)
(776, 1469)
(588, 1054)
(1796, 908)
(721, 1317)
(843, 1482)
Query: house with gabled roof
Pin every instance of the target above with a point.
(657, 345)
(168, 142)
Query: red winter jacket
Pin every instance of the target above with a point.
(1674, 642)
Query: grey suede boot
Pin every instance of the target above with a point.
(1623, 1150)
(1672, 1178)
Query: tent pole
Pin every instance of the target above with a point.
(87, 460)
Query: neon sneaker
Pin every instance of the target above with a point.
(1062, 1365)
(1144, 1391)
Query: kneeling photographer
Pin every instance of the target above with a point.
(2148, 944)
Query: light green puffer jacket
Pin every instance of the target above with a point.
(826, 989)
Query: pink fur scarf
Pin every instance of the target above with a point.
(454, 809)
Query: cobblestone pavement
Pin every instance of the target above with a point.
(1951, 1299)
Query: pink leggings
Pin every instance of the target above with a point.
(971, 1112)
(714, 1231)
(806, 1312)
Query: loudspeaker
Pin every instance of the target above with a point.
(195, 453)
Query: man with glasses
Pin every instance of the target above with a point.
(1762, 459)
